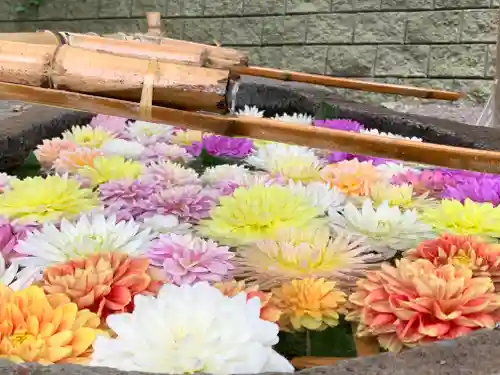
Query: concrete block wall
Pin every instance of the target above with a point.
(443, 43)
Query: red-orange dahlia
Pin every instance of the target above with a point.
(416, 302)
(482, 257)
(268, 311)
(103, 283)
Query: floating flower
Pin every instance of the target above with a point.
(250, 111)
(428, 181)
(257, 213)
(218, 145)
(222, 335)
(47, 330)
(186, 259)
(338, 156)
(296, 118)
(467, 218)
(50, 149)
(158, 152)
(150, 133)
(351, 177)
(127, 199)
(87, 136)
(483, 258)
(481, 190)
(267, 310)
(115, 125)
(5, 181)
(89, 235)
(225, 173)
(300, 253)
(319, 195)
(386, 229)
(416, 302)
(70, 161)
(15, 277)
(389, 169)
(103, 283)
(163, 224)
(190, 203)
(37, 199)
(110, 168)
(186, 137)
(340, 124)
(312, 304)
(389, 135)
(11, 234)
(169, 174)
(121, 147)
(401, 196)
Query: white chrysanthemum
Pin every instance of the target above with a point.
(235, 173)
(121, 147)
(141, 130)
(191, 329)
(386, 229)
(5, 181)
(319, 194)
(163, 224)
(296, 118)
(252, 111)
(390, 169)
(15, 277)
(390, 135)
(89, 235)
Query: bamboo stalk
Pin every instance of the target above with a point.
(154, 23)
(39, 37)
(346, 83)
(365, 346)
(102, 74)
(266, 129)
(308, 362)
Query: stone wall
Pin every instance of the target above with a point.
(443, 43)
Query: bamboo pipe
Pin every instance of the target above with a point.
(39, 37)
(346, 83)
(266, 129)
(154, 23)
(194, 54)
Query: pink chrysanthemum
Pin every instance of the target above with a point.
(5, 180)
(190, 203)
(11, 234)
(71, 160)
(432, 181)
(158, 152)
(115, 125)
(49, 150)
(127, 199)
(185, 259)
(169, 174)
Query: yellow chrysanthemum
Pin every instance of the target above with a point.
(47, 330)
(187, 137)
(46, 199)
(469, 218)
(257, 213)
(300, 253)
(296, 168)
(87, 136)
(110, 168)
(309, 303)
(401, 196)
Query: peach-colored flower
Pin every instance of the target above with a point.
(71, 160)
(416, 302)
(50, 149)
(47, 330)
(482, 257)
(352, 177)
(268, 311)
(103, 283)
(308, 303)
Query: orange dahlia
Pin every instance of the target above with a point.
(50, 149)
(482, 257)
(103, 283)
(416, 302)
(268, 311)
(72, 160)
(47, 330)
(309, 303)
(351, 177)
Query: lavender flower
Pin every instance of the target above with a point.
(218, 145)
(336, 157)
(482, 189)
(340, 124)
(115, 125)
(168, 174)
(185, 259)
(158, 152)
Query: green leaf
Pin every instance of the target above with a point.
(326, 112)
(30, 167)
(20, 8)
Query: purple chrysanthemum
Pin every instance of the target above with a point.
(336, 157)
(185, 259)
(115, 125)
(167, 173)
(127, 199)
(190, 203)
(430, 181)
(162, 151)
(340, 124)
(218, 145)
(482, 189)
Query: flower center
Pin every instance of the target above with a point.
(17, 339)
(461, 261)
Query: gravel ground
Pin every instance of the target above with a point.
(10, 109)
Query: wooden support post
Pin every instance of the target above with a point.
(154, 23)
(496, 97)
